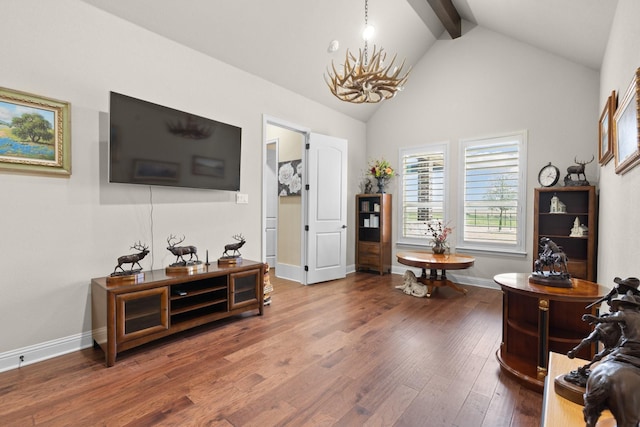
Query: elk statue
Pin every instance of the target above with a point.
(578, 169)
(181, 251)
(132, 259)
(234, 246)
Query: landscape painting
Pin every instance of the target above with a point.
(34, 134)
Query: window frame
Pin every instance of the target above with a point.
(519, 247)
(439, 147)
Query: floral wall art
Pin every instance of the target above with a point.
(290, 178)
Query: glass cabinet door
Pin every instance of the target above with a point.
(246, 288)
(141, 313)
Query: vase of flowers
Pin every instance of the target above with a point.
(382, 171)
(439, 234)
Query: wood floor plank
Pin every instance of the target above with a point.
(349, 352)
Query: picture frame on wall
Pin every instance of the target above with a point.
(626, 122)
(35, 134)
(290, 178)
(605, 130)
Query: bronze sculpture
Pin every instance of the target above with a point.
(578, 170)
(607, 333)
(181, 251)
(234, 247)
(614, 383)
(550, 268)
(132, 259)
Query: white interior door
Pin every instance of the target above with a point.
(271, 218)
(326, 238)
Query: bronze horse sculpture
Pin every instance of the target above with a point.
(551, 256)
(613, 385)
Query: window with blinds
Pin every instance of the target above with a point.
(423, 194)
(493, 191)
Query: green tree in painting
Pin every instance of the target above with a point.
(32, 127)
(502, 193)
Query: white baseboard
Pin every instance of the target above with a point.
(289, 272)
(43, 351)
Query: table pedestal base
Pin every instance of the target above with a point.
(434, 281)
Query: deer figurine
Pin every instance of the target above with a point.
(133, 259)
(578, 169)
(234, 246)
(181, 251)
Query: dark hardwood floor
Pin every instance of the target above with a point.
(352, 352)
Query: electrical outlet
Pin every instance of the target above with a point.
(21, 358)
(242, 198)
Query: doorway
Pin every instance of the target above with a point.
(284, 213)
(304, 203)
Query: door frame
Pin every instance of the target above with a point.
(305, 131)
(266, 196)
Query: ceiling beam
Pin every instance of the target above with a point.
(448, 15)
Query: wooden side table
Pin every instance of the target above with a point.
(537, 319)
(435, 262)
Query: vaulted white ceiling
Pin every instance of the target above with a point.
(286, 41)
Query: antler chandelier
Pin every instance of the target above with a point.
(367, 81)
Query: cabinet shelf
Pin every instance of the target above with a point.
(540, 319)
(581, 203)
(126, 315)
(191, 293)
(373, 234)
(197, 306)
(524, 328)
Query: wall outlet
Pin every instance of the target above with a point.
(242, 198)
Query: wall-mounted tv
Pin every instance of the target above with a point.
(155, 145)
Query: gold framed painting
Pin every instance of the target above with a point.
(626, 121)
(35, 134)
(605, 130)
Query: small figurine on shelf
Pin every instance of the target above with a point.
(132, 259)
(578, 230)
(550, 268)
(556, 206)
(181, 251)
(366, 186)
(235, 256)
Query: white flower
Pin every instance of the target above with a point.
(285, 174)
(295, 185)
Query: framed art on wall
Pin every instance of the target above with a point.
(290, 178)
(35, 133)
(626, 121)
(605, 130)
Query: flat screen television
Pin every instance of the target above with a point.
(155, 145)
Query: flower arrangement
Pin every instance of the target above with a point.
(381, 169)
(438, 232)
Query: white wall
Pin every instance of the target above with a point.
(59, 233)
(485, 84)
(618, 247)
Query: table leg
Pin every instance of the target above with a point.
(427, 281)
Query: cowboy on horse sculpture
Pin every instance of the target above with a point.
(551, 256)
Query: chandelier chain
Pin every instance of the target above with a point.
(362, 81)
(366, 24)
